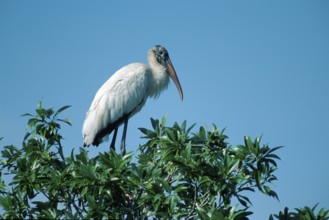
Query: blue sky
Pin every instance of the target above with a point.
(253, 67)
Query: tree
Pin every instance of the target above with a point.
(305, 213)
(177, 174)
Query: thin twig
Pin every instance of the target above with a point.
(190, 216)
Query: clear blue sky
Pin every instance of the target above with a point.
(254, 67)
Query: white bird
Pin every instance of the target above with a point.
(124, 94)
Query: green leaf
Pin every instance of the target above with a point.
(163, 121)
(170, 134)
(144, 130)
(41, 112)
(84, 191)
(274, 149)
(27, 114)
(190, 128)
(165, 184)
(154, 123)
(61, 110)
(274, 194)
(66, 120)
(267, 189)
(233, 166)
(188, 151)
(202, 132)
(6, 203)
(39, 104)
(49, 214)
(202, 214)
(248, 142)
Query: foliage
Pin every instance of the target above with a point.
(198, 176)
(177, 174)
(305, 213)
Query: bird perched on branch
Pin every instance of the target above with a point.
(124, 94)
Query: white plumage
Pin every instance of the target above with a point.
(125, 93)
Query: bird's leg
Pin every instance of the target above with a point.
(123, 140)
(114, 138)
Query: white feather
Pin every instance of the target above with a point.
(119, 95)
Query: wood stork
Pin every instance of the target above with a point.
(124, 94)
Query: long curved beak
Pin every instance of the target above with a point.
(174, 77)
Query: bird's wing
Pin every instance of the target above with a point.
(121, 96)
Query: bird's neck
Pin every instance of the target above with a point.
(159, 80)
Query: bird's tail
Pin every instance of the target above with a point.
(88, 129)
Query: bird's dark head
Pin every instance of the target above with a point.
(161, 56)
